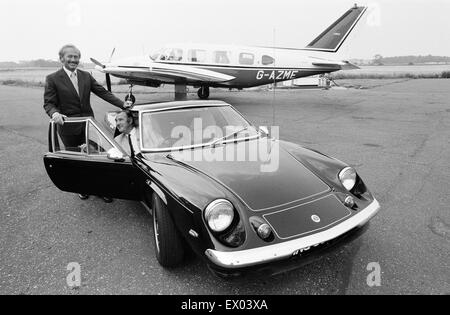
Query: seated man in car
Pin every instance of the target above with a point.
(129, 132)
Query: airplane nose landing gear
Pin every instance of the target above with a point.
(203, 92)
(130, 96)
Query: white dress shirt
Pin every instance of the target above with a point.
(73, 77)
(122, 140)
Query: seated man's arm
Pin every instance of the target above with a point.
(103, 93)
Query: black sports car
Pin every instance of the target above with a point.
(233, 193)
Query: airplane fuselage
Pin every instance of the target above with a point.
(232, 66)
(248, 66)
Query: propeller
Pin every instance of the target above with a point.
(108, 82)
(98, 63)
(108, 77)
(112, 53)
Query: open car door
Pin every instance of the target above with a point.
(92, 163)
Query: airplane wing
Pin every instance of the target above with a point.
(167, 73)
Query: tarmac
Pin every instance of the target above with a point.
(396, 135)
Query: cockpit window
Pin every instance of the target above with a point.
(221, 56)
(172, 54)
(267, 60)
(156, 55)
(246, 58)
(164, 55)
(196, 55)
(176, 54)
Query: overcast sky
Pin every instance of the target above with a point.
(32, 29)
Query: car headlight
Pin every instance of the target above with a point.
(219, 214)
(348, 177)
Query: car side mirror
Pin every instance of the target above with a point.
(116, 155)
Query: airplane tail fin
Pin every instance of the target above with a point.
(334, 36)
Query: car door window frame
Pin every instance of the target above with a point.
(89, 138)
(95, 124)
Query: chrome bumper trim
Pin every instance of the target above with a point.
(255, 256)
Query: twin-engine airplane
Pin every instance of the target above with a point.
(205, 66)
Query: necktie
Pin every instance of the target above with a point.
(131, 145)
(74, 79)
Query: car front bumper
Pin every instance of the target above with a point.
(270, 253)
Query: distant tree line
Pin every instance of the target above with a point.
(380, 60)
(38, 63)
(41, 63)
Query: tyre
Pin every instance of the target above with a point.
(168, 243)
(131, 98)
(203, 92)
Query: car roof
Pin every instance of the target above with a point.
(177, 104)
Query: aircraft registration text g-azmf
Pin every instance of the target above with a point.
(277, 74)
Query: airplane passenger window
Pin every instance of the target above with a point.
(267, 60)
(197, 55)
(221, 56)
(246, 58)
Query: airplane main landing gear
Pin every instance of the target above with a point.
(130, 96)
(203, 92)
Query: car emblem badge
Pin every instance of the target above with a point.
(315, 218)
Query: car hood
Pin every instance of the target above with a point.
(264, 182)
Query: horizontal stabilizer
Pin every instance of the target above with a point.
(340, 65)
(334, 36)
(349, 66)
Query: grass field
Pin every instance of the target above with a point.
(35, 77)
(396, 72)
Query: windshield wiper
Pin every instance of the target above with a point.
(228, 136)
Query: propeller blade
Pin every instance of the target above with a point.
(108, 82)
(112, 53)
(98, 63)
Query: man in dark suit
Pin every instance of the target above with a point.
(67, 94)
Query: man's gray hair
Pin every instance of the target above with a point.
(63, 50)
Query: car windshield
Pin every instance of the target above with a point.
(191, 127)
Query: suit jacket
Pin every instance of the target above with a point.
(60, 96)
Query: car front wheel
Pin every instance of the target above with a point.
(168, 243)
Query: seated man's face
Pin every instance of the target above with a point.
(123, 123)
